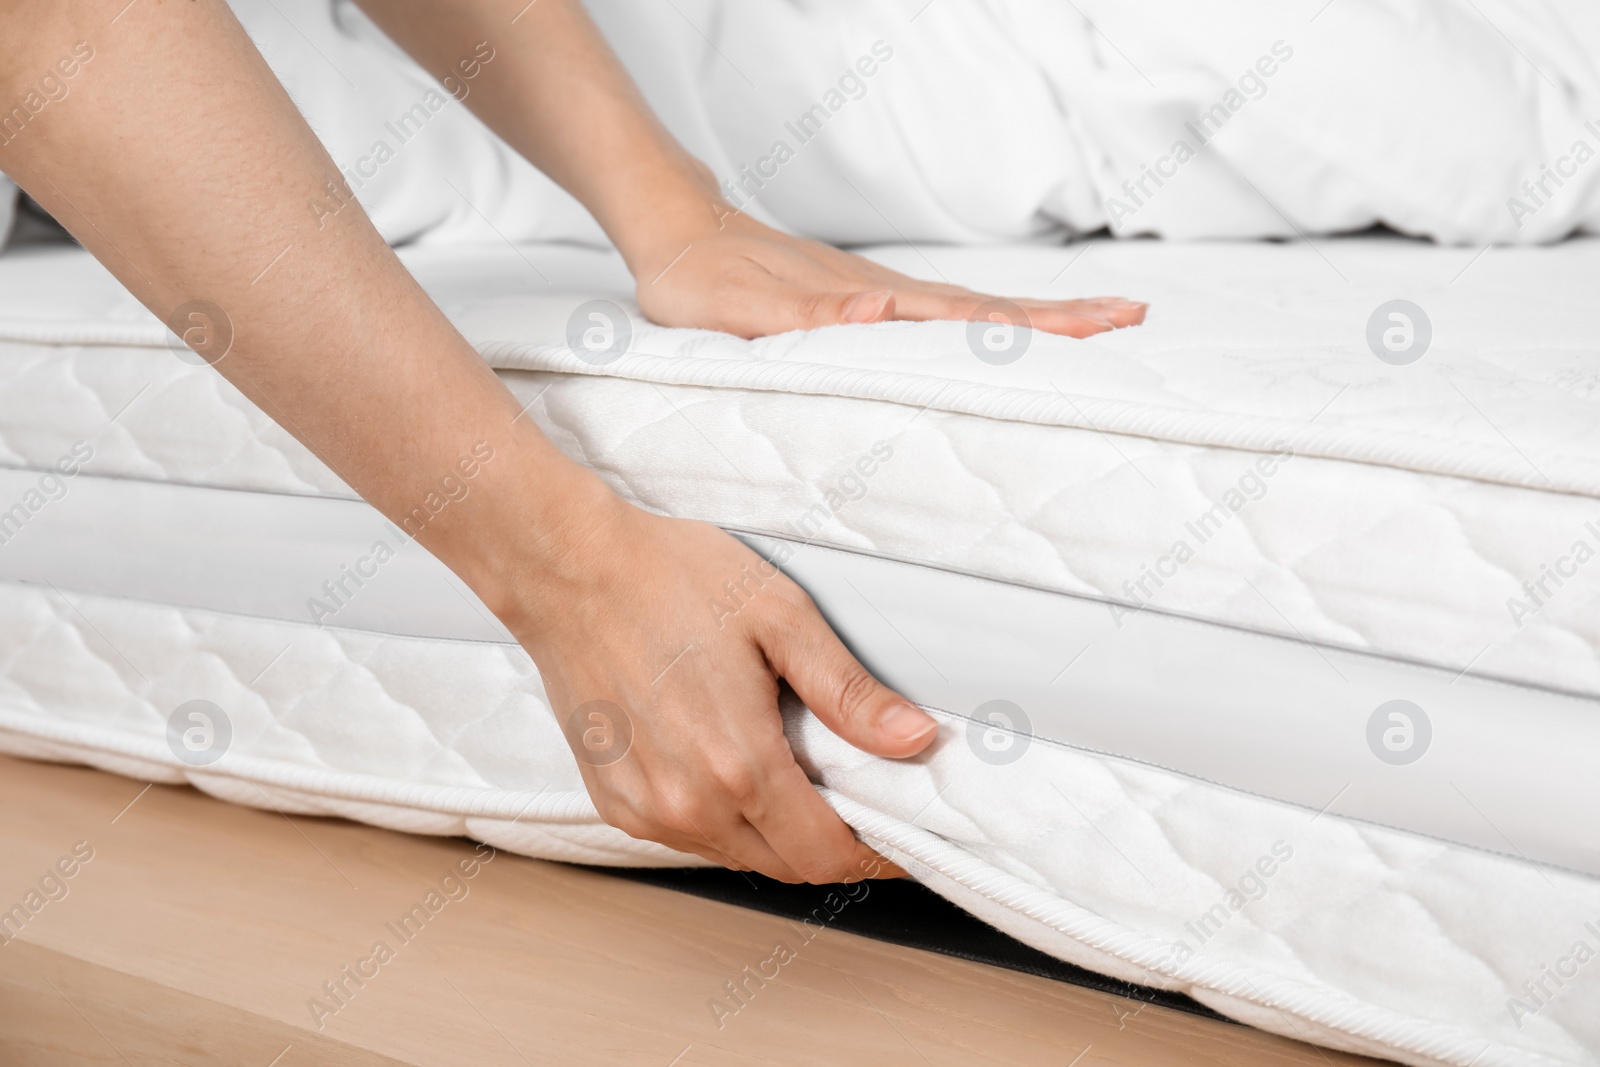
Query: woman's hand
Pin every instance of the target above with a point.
(735, 274)
(561, 99)
(660, 642)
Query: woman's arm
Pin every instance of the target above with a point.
(556, 93)
(179, 161)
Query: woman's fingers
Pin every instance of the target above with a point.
(779, 308)
(1115, 309)
(875, 306)
(807, 833)
(785, 831)
(767, 306)
(695, 817)
(1071, 318)
(798, 838)
(836, 687)
(752, 814)
(799, 308)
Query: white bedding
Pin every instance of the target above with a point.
(1007, 119)
(1000, 120)
(1417, 500)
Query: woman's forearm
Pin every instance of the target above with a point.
(558, 95)
(196, 189)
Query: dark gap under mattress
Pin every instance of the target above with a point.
(901, 912)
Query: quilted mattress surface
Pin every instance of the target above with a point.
(1427, 502)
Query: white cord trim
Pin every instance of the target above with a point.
(1406, 450)
(467, 801)
(1317, 1005)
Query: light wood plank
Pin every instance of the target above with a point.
(202, 929)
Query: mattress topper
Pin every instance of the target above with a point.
(1251, 346)
(1064, 469)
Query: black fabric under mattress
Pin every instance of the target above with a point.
(901, 912)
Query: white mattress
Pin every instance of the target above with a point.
(1375, 562)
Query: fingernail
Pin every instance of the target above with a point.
(907, 722)
(867, 307)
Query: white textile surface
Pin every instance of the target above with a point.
(1465, 121)
(862, 121)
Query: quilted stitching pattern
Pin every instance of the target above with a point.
(1365, 554)
(1368, 557)
(1372, 918)
(1427, 929)
(148, 415)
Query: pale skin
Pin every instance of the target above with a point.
(181, 164)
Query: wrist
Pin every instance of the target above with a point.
(525, 529)
(680, 203)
